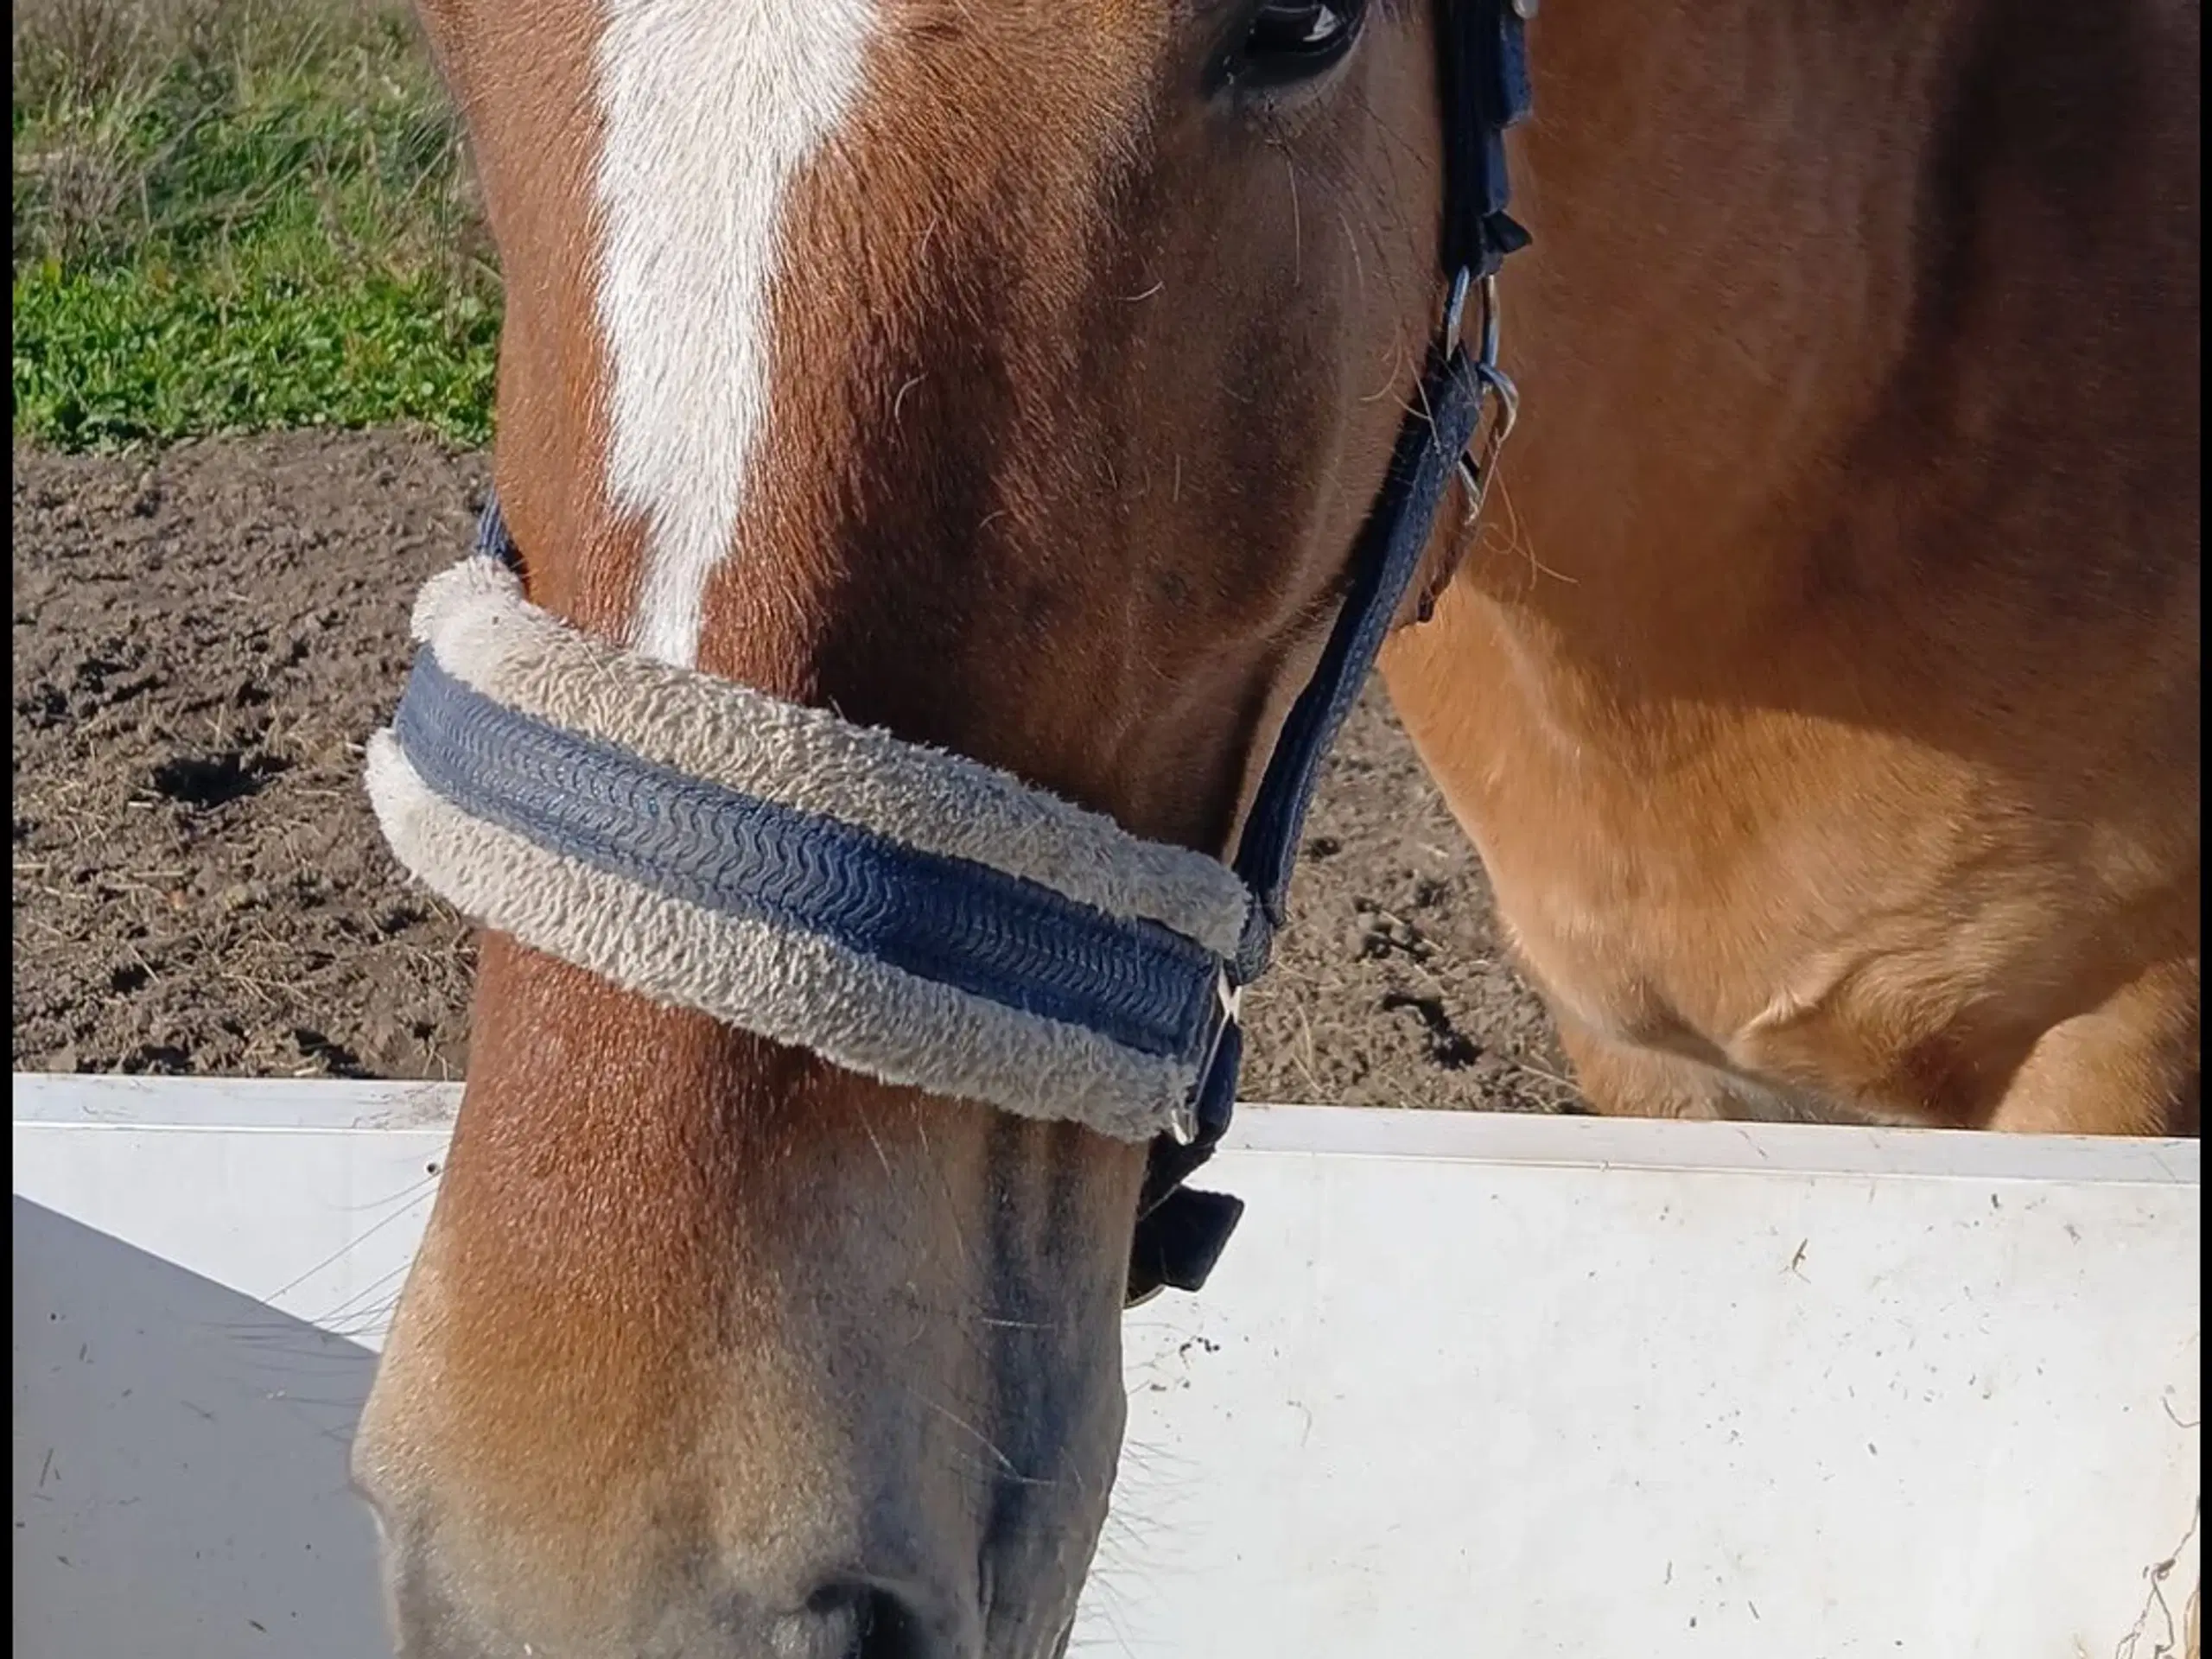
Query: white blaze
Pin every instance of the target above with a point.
(711, 108)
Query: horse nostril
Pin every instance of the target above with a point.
(883, 1626)
(887, 1629)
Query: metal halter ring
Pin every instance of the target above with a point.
(1476, 474)
(1455, 311)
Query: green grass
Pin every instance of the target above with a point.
(237, 216)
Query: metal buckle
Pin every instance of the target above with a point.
(1183, 1128)
(1475, 474)
(1228, 1002)
(1464, 284)
(1478, 465)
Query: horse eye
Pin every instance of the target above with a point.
(1288, 39)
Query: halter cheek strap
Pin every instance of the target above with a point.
(1181, 1231)
(908, 914)
(1483, 89)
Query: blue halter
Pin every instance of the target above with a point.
(996, 936)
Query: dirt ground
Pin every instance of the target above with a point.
(204, 638)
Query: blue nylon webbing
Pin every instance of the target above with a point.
(1483, 86)
(1384, 561)
(1384, 564)
(956, 923)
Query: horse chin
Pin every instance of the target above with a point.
(847, 1360)
(907, 1516)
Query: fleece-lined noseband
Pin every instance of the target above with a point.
(909, 914)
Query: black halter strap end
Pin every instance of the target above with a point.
(1173, 1161)
(1181, 1232)
(1178, 1244)
(1501, 234)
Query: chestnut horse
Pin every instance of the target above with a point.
(1820, 684)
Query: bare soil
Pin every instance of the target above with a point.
(204, 638)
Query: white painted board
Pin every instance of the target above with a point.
(1463, 1385)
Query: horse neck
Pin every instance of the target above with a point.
(1726, 197)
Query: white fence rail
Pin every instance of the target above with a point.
(1464, 1385)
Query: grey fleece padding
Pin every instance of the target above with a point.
(794, 988)
(489, 636)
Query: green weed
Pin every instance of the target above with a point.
(238, 215)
